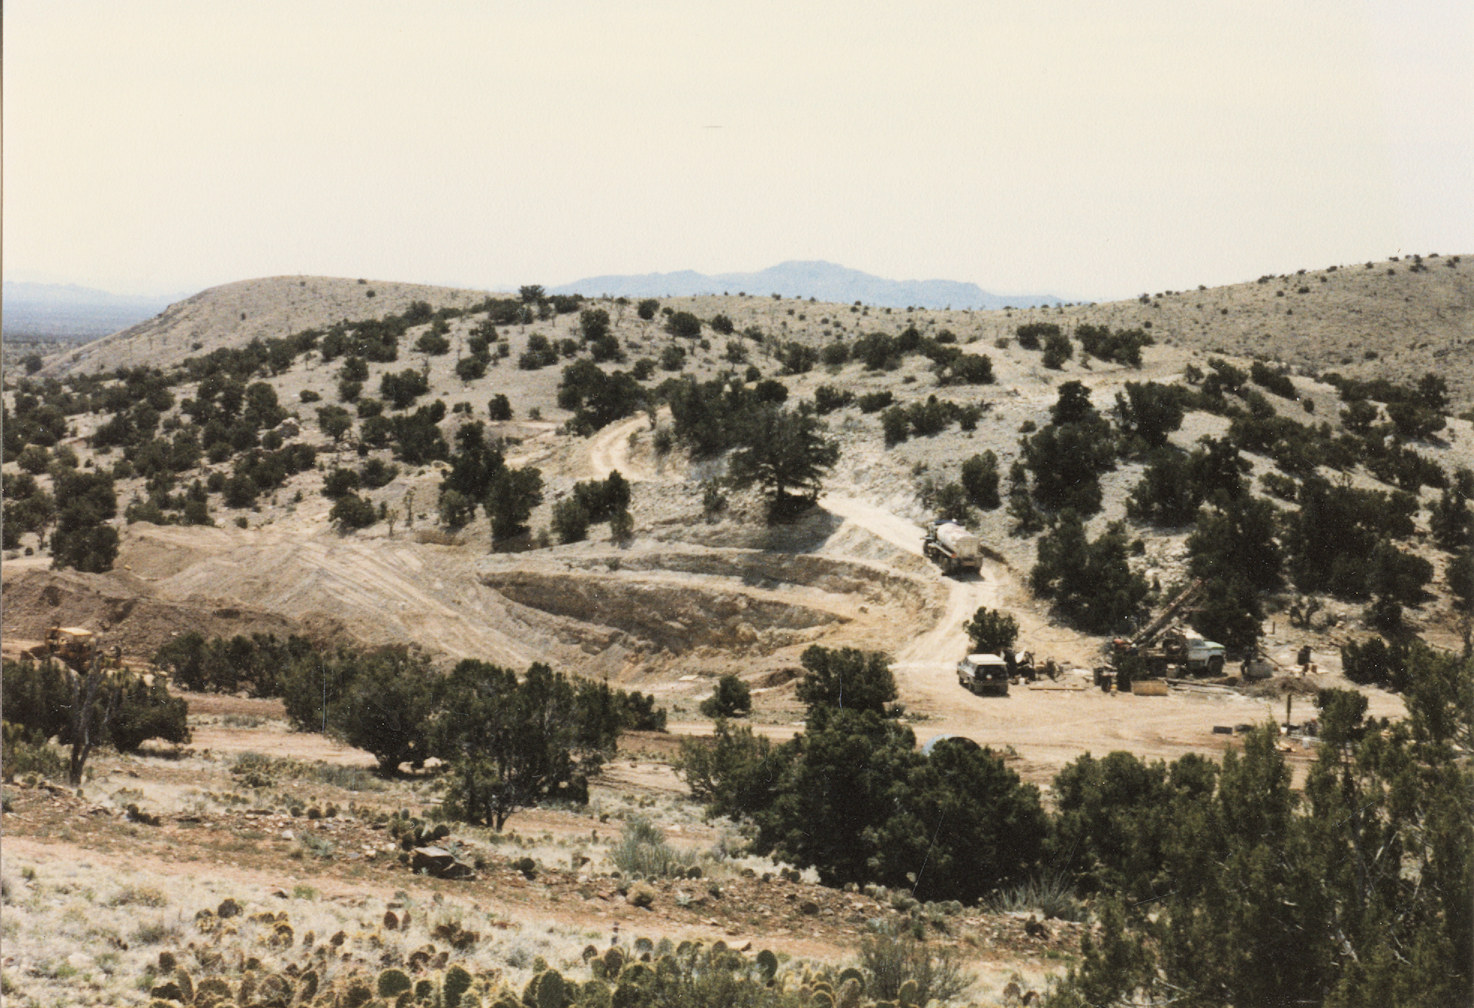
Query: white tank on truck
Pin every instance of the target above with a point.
(953, 547)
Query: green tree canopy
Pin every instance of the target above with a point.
(511, 742)
(785, 453)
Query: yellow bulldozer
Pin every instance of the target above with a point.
(75, 647)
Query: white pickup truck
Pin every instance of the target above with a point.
(983, 673)
(1201, 655)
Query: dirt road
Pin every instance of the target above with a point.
(609, 449)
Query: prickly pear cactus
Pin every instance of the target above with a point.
(637, 973)
(613, 961)
(212, 991)
(307, 986)
(392, 983)
(457, 981)
(357, 994)
(595, 994)
(627, 995)
(552, 992)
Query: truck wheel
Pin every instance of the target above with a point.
(1215, 665)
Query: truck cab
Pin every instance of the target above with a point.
(1194, 653)
(983, 673)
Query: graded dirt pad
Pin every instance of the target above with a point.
(597, 610)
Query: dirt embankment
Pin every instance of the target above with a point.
(121, 608)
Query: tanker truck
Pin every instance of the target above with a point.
(953, 547)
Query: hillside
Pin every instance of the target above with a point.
(435, 468)
(1413, 316)
(233, 314)
(721, 593)
(1396, 319)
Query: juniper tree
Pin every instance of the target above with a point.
(785, 453)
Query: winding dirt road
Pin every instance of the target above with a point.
(1047, 725)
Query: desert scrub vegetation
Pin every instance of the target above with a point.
(731, 698)
(418, 956)
(1182, 863)
(642, 852)
(116, 707)
(1320, 858)
(858, 770)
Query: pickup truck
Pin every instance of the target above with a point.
(983, 673)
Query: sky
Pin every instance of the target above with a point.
(1088, 150)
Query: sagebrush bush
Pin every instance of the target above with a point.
(643, 851)
(893, 958)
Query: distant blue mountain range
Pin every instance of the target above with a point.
(823, 281)
(69, 312)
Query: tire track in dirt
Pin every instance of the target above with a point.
(383, 591)
(609, 449)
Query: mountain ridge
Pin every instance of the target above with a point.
(807, 278)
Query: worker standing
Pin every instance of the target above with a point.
(1303, 659)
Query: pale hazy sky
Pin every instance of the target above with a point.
(1093, 150)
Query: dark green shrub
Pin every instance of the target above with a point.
(846, 678)
(827, 399)
(1032, 334)
(731, 698)
(469, 369)
(1275, 381)
(734, 773)
(1147, 412)
(968, 369)
(683, 324)
(540, 353)
(432, 344)
(337, 483)
(353, 512)
(1090, 581)
(597, 397)
(991, 631)
(980, 480)
(1057, 350)
(570, 521)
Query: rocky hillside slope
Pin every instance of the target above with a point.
(233, 314)
(1395, 319)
